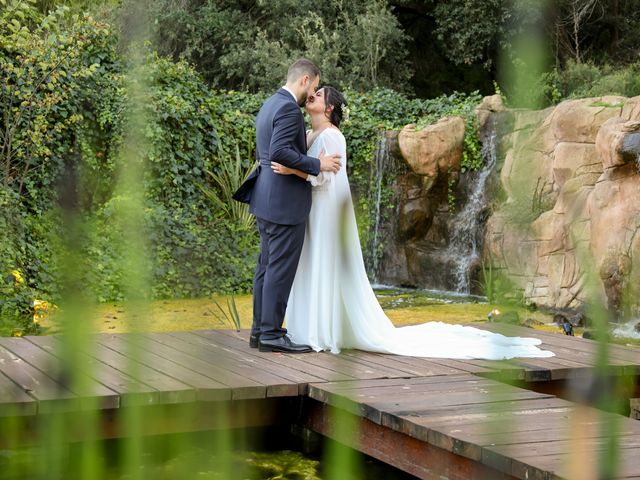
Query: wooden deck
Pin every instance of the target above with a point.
(431, 417)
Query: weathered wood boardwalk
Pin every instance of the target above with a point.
(435, 418)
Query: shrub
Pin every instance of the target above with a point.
(579, 80)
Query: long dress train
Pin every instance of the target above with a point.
(332, 304)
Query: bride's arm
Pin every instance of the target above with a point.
(282, 170)
(332, 143)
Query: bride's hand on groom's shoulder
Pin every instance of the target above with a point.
(329, 163)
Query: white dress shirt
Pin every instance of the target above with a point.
(292, 94)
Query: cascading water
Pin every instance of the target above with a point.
(378, 169)
(466, 228)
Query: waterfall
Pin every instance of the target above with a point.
(378, 169)
(466, 230)
(628, 330)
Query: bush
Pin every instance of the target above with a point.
(64, 97)
(579, 80)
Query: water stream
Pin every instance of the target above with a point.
(628, 330)
(379, 166)
(467, 226)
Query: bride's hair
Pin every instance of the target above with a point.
(333, 98)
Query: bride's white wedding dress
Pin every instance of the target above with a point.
(332, 304)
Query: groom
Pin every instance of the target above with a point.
(281, 204)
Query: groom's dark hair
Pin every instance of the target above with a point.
(302, 67)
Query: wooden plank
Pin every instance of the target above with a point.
(362, 384)
(274, 385)
(413, 405)
(131, 391)
(241, 388)
(96, 395)
(365, 390)
(265, 362)
(169, 389)
(236, 340)
(377, 369)
(469, 439)
(520, 457)
(619, 355)
(51, 396)
(423, 368)
(559, 466)
(332, 362)
(435, 413)
(374, 402)
(406, 453)
(459, 365)
(207, 388)
(402, 362)
(14, 400)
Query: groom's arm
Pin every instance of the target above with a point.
(285, 131)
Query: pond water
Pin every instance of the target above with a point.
(391, 297)
(403, 306)
(258, 454)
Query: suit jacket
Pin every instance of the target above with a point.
(280, 137)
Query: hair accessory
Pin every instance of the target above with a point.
(345, 112)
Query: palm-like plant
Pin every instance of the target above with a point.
(227, 179)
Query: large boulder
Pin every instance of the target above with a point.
(579, 120)
(576, 175)
(618, 142)
(435, 149)
(631, 109)
(488, 112)
(573, 159)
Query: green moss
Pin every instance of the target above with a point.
(404, 307)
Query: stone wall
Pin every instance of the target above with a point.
(568, 227)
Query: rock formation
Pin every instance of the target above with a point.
(568, 229)
(419, 227)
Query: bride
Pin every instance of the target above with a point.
(332, 304)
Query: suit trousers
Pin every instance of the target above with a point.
(280, 249)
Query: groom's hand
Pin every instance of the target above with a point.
(329, 163)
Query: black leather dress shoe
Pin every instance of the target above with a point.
(282, 344)
(254, 340)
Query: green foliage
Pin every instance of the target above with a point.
(249, 46)
(51, 76)
(469, 29)
(498, 287)
(62, 103)
(230, 316)
(579, 80)
(231, 175)
(16, 292)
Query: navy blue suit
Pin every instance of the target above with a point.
(281, 204)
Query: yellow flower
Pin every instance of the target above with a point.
(41, 305)
(17, 276)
